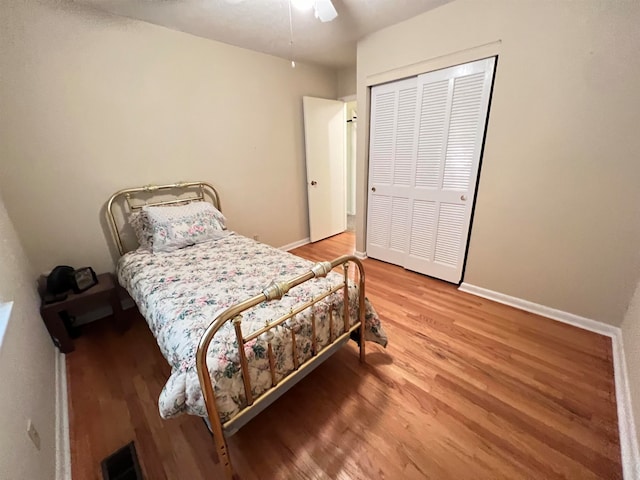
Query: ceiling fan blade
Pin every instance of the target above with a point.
(325, 11)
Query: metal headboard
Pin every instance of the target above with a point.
(199, 192)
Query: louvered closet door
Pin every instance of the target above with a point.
(426, 141)
(391, 159)
(453, 106)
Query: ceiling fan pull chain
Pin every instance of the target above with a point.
(293, 62)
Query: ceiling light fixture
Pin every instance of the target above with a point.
(324, 10)
(303, 5)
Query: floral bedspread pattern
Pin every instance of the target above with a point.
(180, 293)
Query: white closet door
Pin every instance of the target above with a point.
(453, 105)
(426, 141)
(391, 152)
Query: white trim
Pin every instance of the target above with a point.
(360, 255)
(628, 440)
(542, 310)
(63, 449)
(291, 246)
(626, 425)
(439, 62)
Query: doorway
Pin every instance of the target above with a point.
(352, 132)
(330, 145)
(325, 151)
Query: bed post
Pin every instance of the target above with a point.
(361, 313)
(222, 450)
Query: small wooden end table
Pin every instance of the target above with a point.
(105, 291)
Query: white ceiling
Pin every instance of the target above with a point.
(263, 25)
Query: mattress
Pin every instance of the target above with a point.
(180, 293)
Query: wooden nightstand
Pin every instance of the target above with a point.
(105, 291)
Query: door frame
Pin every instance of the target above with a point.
(480, 161)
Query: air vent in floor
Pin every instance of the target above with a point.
(122, 465)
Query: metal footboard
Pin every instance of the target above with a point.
(275, 291)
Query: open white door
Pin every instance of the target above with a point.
(325, 146)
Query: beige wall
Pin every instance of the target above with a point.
(93, 103)
(556, 218)
(27, 373)
(631, 339)
(347, 82)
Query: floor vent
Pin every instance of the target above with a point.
(122, 465)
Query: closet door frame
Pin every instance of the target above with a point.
(472, 66)
(476, 181)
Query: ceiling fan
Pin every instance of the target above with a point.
(322, 9)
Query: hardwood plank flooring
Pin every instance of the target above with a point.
(467, 388)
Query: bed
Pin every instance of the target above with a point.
(203, 300)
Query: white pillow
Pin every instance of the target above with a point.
(177, 227)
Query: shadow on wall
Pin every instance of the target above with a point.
(109, 235)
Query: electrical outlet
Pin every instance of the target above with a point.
(256, 237)
(33, 434)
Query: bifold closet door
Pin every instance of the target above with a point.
(391, 159)
(434, 156)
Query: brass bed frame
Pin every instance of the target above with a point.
(130, 200)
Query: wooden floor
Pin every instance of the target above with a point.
(467, 388)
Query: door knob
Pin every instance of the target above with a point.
(463, 198)
(313, 183)
(373, 189)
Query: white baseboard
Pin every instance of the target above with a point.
(63, 449)
(628, 438)
(542, 310)
(626, 425)
(360, 255)
(291, 246)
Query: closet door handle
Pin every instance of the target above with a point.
(373, 189)
(313, 183)
(463, 198)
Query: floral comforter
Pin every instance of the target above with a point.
(180, 293)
